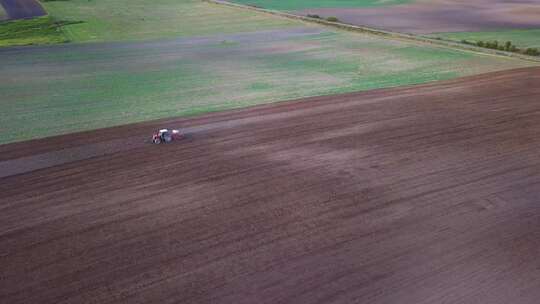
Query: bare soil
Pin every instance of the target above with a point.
(423, 17)
(424, 194)
(21, 9)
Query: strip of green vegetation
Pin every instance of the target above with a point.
(507, 46)
(61, 90)
(315, 16)
(143, 20)
(288, 5)
(41, 30)
(521, 38)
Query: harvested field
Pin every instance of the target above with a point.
(67, 88)
(424, 194)
(422, 17)
(21, 9)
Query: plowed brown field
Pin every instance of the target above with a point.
(425, 194)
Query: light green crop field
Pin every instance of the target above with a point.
(66, 88)
(117, 20)
(520, 38)
(288, 5)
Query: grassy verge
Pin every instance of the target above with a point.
(41, 30)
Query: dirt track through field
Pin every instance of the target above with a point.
(424, 194)
(21, 9)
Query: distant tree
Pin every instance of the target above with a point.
(532, 52)
(332, 19)
(508, 45)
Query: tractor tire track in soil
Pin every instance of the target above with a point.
(22, 9)
(423, 194)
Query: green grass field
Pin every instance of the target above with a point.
(67, 88)
(521, 38)
(120, 20)
(41, 30)
(287, 5)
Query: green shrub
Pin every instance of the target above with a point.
(532, 52)
(480, 43)
(332, 19)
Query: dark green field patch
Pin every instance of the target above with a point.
(41, 30)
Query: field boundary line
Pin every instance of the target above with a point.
(382, 33)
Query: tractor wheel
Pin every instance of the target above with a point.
(156, 141)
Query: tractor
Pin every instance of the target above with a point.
(166, 136)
